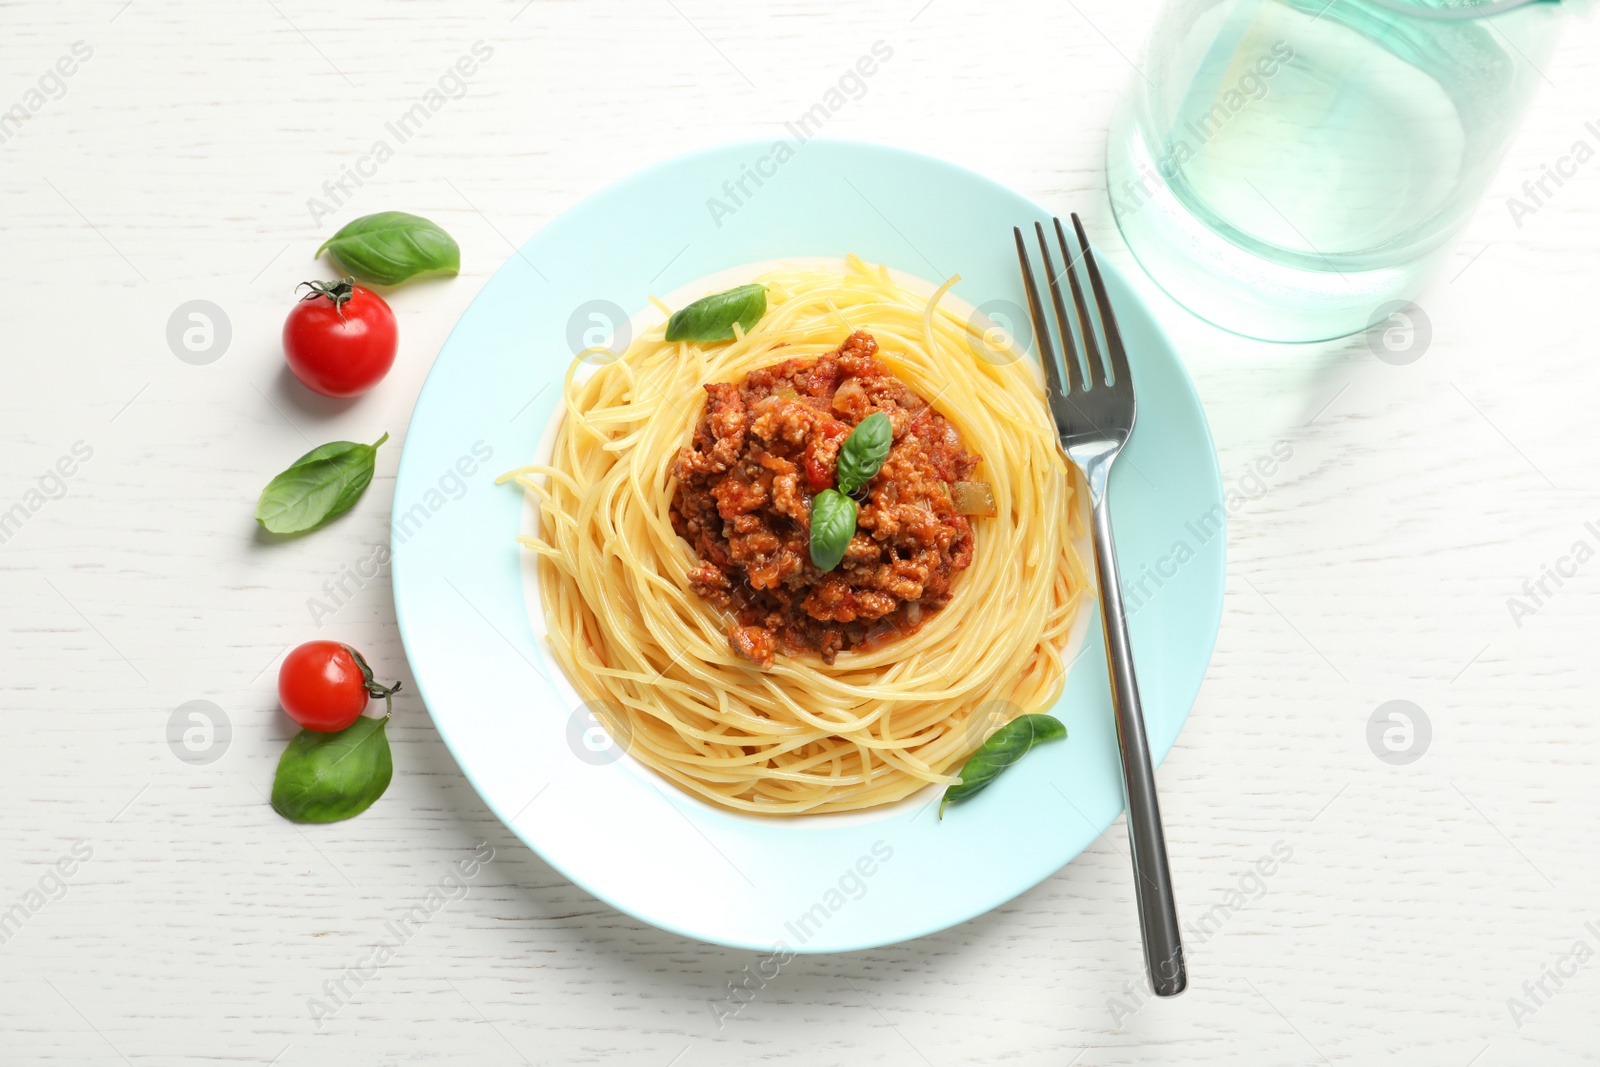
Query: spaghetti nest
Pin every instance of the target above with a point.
(653, 659)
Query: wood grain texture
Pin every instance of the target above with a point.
(1376, 564)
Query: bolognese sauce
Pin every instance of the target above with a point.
(763, 448)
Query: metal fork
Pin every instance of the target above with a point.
(1093, 407)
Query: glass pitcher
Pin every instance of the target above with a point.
(1296, 170)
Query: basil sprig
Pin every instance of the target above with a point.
(393, 246)
(1007, 745)
(864, 451)
(318, 486)
(833, 513)
(833, 523)
(711, 318)
(328, 777)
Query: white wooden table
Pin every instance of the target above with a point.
(178, 162)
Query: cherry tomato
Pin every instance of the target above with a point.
(325, 686)
(340, 339)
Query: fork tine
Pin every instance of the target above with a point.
(1094, 365)
(1108, 318)
(1069, 349)
(1041, 324)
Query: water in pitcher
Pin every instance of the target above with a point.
(1290, 167)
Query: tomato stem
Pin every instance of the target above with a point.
(339, 292)
(387, 692)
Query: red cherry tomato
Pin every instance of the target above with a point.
(340, 339)
(325, 686)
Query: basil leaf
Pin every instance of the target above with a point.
(833, 523)
(328, 777)
(318, 486)
(711, 318)
(864, 451)
(1004, 747)
(392, 246)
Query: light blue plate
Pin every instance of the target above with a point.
(819, 884)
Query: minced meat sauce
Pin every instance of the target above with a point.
(762, 449)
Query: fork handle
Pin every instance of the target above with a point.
(1158, 915)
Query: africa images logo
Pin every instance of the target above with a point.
(851, 85)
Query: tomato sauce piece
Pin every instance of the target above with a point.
(762, 448)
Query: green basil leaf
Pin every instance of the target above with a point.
(328, 777)
(711, 318)
(318, 486)
(392, 246)
(1004, 747)
(833, 523)
(864, 451)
